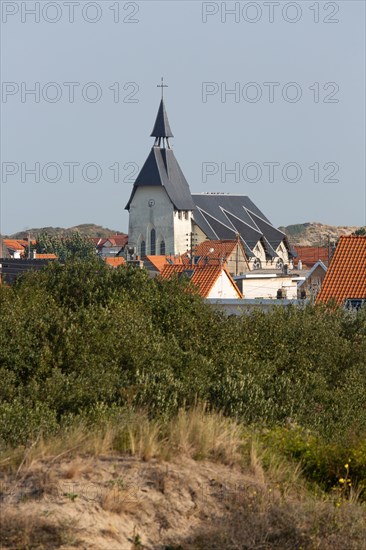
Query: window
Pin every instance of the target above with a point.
(179, 214)
(186, 215)
(153, 242)
(142, 249)
(162, 248)
(355, 303)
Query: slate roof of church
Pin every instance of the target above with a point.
(161, 126)
(161, 168)
(223, 216)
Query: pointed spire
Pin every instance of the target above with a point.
(161, 127)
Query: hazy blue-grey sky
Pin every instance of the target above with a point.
(296, 69)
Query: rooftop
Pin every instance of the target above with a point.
(203, 277)
(346, 275)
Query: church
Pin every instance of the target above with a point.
(165, 218)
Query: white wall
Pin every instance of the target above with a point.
(143, 217)
(168, 225)
(182, 229)
(223, 288)
(267, 287)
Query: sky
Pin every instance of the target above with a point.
(265, 99)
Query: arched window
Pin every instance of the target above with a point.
(257, 264)
(162, 248)
(142, 249)
(153, 242)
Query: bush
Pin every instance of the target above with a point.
(81, 336)
(329, 465)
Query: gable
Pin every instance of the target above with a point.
(162, 169)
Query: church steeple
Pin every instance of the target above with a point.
(160, 206)
(161, 130)
(161, 168)
(161, 127)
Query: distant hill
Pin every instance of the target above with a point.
(85, 229)
(315, 233)
(311, 234)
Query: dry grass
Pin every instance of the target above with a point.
(274, 523)
(196, 433)
(271, 508)
(30, 531)
(77, 467)
(118, 501)
(145, 438)
(200, 434)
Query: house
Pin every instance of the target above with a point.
(220, 252)
(223, 216)
(310, 255)
(4, 250)
(156, 264)
(110, 246)
(166, 219)
(212, 281)
(261, 284)
(310, 286)
(15, 248)
(345, 280)
(230, 253)
(12, 268)
(114, 261)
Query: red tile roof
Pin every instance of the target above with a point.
(221, 249)
(115, 240)
(17, 244)
(13, 244)
(309, 255)
(24, 242)
(159, 262)
(346, 276)
(215, 252)
(204, 276)
(115, 261)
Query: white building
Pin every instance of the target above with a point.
(211, 281)
(268, 285)
(166, 219)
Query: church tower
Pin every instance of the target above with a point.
(160, 206)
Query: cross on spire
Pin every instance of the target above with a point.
(162, 86)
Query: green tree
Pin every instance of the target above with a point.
(65, 247)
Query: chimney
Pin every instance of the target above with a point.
(136, 263)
